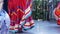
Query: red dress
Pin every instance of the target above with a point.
(16, 10)
(57, 13)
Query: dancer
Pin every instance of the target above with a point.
(56, 13)
(20, 14)
(4, 20)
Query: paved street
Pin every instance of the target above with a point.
(44, 27)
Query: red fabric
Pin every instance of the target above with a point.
(57, 12)
(16, 10)
(13, 5)
(28, 20)
(58, 22)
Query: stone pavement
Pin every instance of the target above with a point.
(44, 27)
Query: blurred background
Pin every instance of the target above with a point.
(43, 9)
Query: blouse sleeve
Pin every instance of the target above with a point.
(7, 20)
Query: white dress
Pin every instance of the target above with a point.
(4, 22)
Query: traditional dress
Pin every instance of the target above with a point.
(20, 14)
(4, 22)
(57, 14)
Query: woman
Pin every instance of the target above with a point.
(20, 14)
(4, 20)
(57, 13)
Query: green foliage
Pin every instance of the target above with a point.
(38, 12)
(41, 9)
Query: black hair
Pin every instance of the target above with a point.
(5, 5)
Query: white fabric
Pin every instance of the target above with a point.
(4, 22)
(27, 10)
